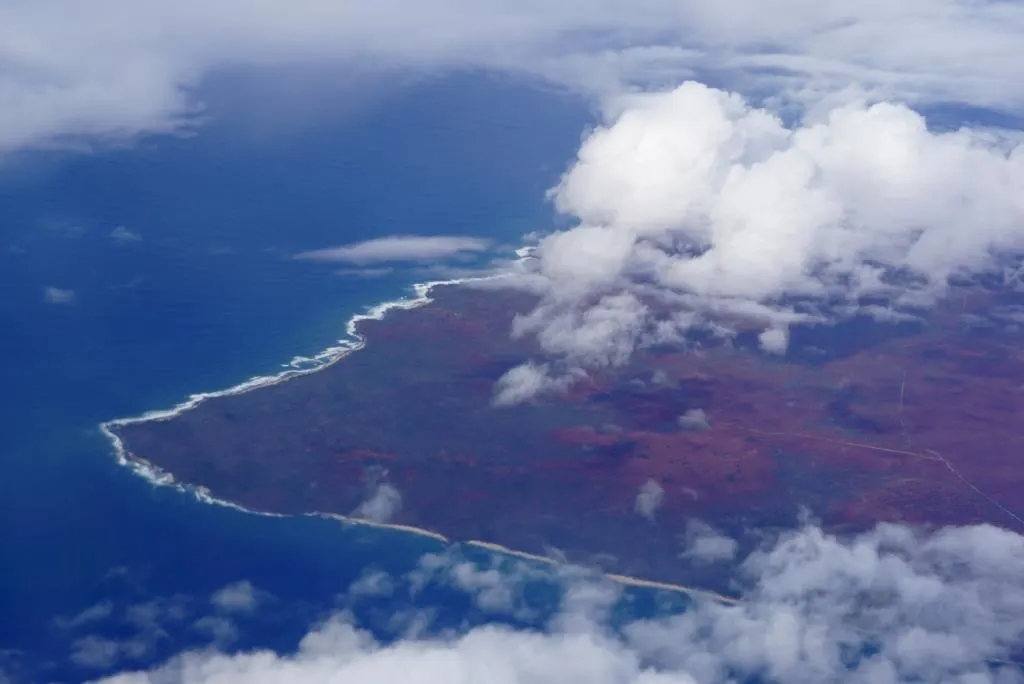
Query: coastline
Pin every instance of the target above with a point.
(297, 367)
(300, 366)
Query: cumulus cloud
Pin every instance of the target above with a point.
(888, 605)
(774, 340)
(527, 381)
(692, 205)
(491, 590)
(705, 544)
(649, 498)
(601, 334)
(399, 248)
(372, 583)
(382, 505)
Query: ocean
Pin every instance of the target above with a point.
(135, 276)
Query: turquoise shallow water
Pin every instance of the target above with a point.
(205, 298)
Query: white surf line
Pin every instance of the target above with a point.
(353, 341)
(159, 477)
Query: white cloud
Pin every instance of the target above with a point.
(371, 584)
(98, 612)
(889, 605)
(118, 68)
(239, 597)
(57, 295)
(382, 505)
(601, 334)
(492, 591)
(691, 200)
(774, 211)
(705, 544)
(774, 340)
(101, 653)
(219, 629)
(527, 381)
(399, 248)
(694, 419)
(151, 615)
(649, 498)
(96, 653)
(689, 195)
(498, 585)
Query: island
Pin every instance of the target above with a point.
(861, 422)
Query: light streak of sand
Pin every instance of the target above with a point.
(407, 529)
(618, 579)
(498, 548)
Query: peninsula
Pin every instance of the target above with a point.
(864, 422)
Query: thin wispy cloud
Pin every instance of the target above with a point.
(59, 295)
(400, 248)
(123, 236)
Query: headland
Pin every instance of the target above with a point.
(911, 423)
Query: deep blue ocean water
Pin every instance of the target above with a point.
(207, 297)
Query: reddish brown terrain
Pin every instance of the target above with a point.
(861, 423)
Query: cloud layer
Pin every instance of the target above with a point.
(118, 68)
(891, 605)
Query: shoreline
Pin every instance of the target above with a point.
(297, 367)
(303, 365)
